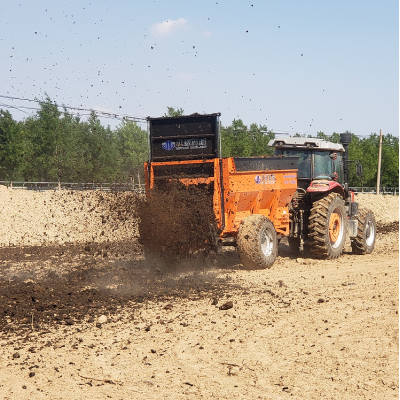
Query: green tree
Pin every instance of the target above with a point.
(235, 140)
(390, 161)
(260, 137)
(365, 150)
(133, 148)
(53, 142)
(99, 159)
(239, 141)
(174, 112)
(12, 146)
(69, 153)
(43, 133)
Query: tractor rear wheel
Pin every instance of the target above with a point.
(257, 242)
(364, 242)
(328, 226)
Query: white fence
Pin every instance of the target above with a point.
(137, 187)
(43, 186)
(383, 190)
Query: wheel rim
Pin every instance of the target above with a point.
(369, 233)
(267, 243)
(336, 228)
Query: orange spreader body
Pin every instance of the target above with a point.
(238, 194)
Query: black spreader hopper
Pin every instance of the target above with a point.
(187, 137)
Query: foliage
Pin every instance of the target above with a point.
(365, 150)
(174, 112)
(238, 141)
(56, 145)
(12, 145)
(133, 149)
(43, 134)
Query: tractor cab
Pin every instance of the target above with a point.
(317, 159)
(323, 211)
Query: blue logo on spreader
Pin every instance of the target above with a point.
(168, 145)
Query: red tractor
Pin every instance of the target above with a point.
(323, 211)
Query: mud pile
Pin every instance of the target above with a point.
(176, 220)
(384, 207)
(65, 217)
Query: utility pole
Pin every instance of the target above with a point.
(378, 179)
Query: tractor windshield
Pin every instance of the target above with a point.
(322, 165)
(312, 164)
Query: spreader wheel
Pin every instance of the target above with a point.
(257, 242)
(327, 226)
(364, 242)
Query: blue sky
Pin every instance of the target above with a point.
(294, 66)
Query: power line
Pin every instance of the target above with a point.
(104, 114)
(8, 106)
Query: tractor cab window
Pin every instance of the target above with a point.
(304, 163)
(323, 166)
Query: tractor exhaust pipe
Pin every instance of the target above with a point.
(345, 140)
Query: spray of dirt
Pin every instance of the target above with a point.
(176, 221)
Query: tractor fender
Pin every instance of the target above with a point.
(325, 186)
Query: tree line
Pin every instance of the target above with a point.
(54, 145)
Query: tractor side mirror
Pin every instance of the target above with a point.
(359, 170)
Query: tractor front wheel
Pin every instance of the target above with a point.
(328, 226)
(364, 242)
(257, 242)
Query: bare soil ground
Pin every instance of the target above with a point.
(82, 315)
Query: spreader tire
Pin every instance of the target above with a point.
(327, 226)
(364, 242)
(257, 242)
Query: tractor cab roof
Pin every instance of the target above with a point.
(305, 143)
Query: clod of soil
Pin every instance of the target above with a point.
(226, 306)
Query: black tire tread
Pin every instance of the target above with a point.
(318, 227)
(248, 242)
(358, 244)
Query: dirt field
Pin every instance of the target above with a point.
(82, 316)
